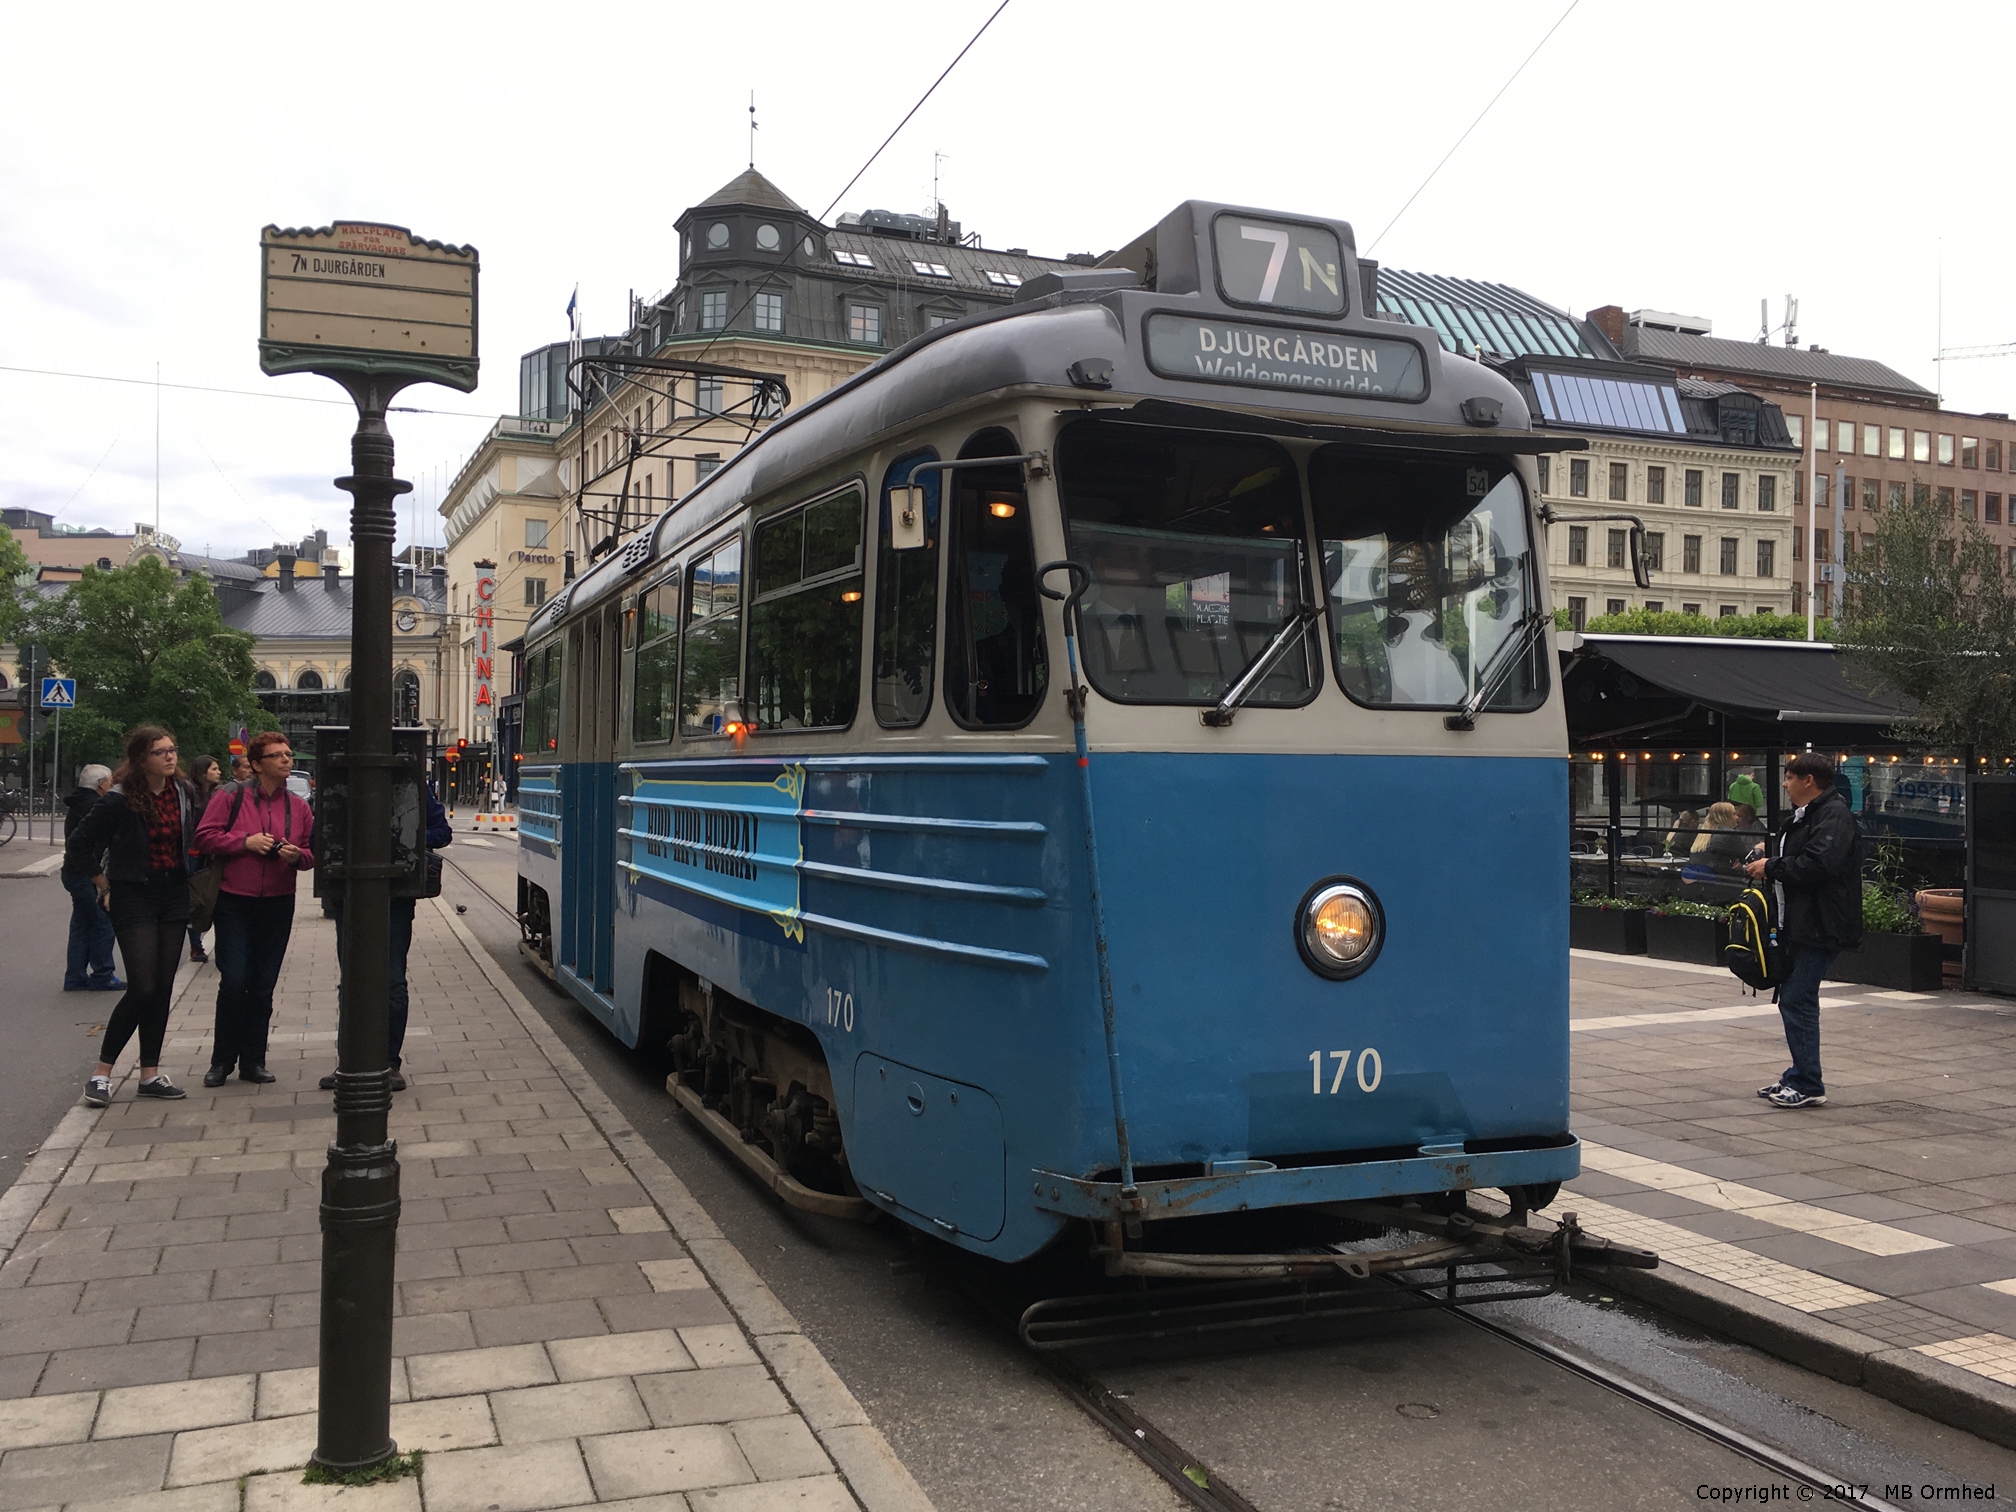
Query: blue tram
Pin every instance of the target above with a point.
(803, 794)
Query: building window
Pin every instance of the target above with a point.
(1578, 477)
(1847, 545)
(1896, 447)
(1614, 606)
(1655, 606)
(1765, 609)
(705, 466)
(1546, 474)
(535, 592)
(1655, 485)
(1690, 608)
(1820, 596)
(937, 318)
(1946, 502)
(708, 396)
(1690, 553)
(1767, 491)
(1819, 435)
(1767, 558)
(1847, 493)
(929, 269)
(1795, 427)
(769, 312)
(1655, 551)
(1797, 553)
(1896, 495)
(713, 309)
(1732, 490)
(1004, 280)
(864, 324)
(1692, 497)
(853, 259)
(264, 681)
(1730, 611)
(1578, 610)
(1620, 481)
(1578, 545)
(1872, 440)
(1869, 489)
(1921, 446)
(1991, 509)
(1970, 451)
(1945, 450)
(1966, 503)
(1921, 494)
(1616, 553)
(1823, 543)
(309, 680)
(1729, 545)
(535, 534)
(1994, 456)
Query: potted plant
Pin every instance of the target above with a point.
(1677, 930)
(1598, 922)
(1896, 952)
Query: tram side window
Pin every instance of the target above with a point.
(710, 675)
(535, 702)
(906, 606)
(652, 693)
(805, 616)
(1429, 571)
(1195, 544)
(995, 664)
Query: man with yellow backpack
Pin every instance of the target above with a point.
(1817, 870)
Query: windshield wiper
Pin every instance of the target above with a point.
(1220, 714)
(1510, 652)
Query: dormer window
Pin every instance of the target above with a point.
(713, 309)
(1004, 280)
(930, 269)
(853, 259)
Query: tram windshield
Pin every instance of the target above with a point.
(1195, 544)
(1429, 571)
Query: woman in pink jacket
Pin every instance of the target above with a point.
(265, 832)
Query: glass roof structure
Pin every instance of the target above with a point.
(1612, 403)
(1470, 316)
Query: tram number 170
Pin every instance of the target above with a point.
(840, 1009)
(1370, 1069)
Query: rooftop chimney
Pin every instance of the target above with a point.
(405, 577)
(440, 576)
(332, 577)
(1610, 321)
(286, 562)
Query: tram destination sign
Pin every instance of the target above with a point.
(362, 297)
(1283, 357)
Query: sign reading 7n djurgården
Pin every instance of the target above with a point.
(367, 298)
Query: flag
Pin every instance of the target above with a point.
(572, 300)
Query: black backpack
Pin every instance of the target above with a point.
(1755, 952)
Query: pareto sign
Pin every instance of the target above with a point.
(362, 297)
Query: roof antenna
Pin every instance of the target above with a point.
(1764, 322)
(1791, 321)
(752, 128)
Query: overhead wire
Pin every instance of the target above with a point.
(1472, 127)
(203, 388)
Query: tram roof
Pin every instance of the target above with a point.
(1137, 340)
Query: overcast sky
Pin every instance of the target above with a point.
(1694, 159)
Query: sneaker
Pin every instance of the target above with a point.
(159, 1086)
(1771, 1091)
(97, 1091)
(216, 1076)
(110, 984)
(1788, 1097)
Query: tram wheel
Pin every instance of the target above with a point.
(1539, 1195)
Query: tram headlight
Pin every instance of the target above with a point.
(1339, 928)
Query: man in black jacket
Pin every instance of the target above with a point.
(89, 966)
(1818, 870)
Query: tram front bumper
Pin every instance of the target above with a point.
(1300, 1186)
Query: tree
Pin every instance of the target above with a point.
(1670, 622)
(147, 650)
(1929, 614)
(13, 596)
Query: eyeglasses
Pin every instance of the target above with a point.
(162, 751)
(269, 755)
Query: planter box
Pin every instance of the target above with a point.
(1903, 963)
(1621, 931)
(1677, 937)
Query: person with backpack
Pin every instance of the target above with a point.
(264, 832)
(1816, 874)
(141, 825)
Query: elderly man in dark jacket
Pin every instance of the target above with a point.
(1818, 869)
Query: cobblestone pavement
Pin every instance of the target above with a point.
(571, 1327)
(1890, 1211)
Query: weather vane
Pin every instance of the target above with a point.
(752, 128)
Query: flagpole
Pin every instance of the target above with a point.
(1812, 503)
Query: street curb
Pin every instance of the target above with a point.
(1932, 1388)
(45, 1170)
(879, 1480)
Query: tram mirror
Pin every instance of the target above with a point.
(1638, 569)
(906, 518)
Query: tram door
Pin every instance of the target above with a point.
(588, 809)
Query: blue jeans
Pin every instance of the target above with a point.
(90, 963)
(1799, 1007)
(396, 1001)
(252, 936)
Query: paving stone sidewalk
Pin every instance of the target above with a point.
(1889, 1213)
(572, 1329)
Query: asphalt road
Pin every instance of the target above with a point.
(51, 1035)
(1418, 1411)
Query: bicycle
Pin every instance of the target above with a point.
(13, 802)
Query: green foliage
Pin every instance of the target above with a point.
(1687, 909)
(1732, 626)
(146, 649)
(1561, 620)
(14, 576)
(392, 1467)
(1588, 897)
(1930, 614)
(1886, 912)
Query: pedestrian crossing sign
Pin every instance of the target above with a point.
(59, 692)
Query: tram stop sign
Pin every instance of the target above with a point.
(59, 692)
